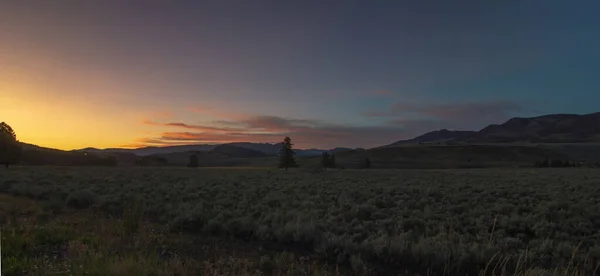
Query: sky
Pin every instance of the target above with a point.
(77, 74)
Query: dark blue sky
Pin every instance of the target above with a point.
(332, 73)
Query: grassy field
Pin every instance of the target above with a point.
(181, 221)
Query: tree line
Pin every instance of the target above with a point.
(556, 163)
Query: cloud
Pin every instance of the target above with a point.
(188, 126)
(399, 121)
(304, 132)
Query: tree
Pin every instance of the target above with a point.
(193, 161)
(10, 147)
(328, 161)
(555, 163)
(286, 155)
(325, 160)
(367, 163)
(332, 161)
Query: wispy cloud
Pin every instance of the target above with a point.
(305, 132)
(188, 126)
(399, 121)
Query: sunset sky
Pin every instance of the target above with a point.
(77, 74)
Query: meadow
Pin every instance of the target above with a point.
(234, 221)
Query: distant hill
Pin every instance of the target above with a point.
(442, 135)
(553, 128)
(266, 148)
(145, 151)
(34, 155)
(231, 150)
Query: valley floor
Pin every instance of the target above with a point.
(182, 221)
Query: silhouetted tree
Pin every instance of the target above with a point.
(286, 155)
(10, 147)
(151, 161)
(367, 163)
(328, 161)
(193, 161)
(332, 163)
(556, 163)
(325, 160)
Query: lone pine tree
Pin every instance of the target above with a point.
(286, 155)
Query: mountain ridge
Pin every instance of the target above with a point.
(269, 149)
(550, 128)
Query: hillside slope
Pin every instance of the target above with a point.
(231, 150)
(553, 128)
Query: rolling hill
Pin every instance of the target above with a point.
(231, 150)
(442, 135)
(266, 148)
(553, 128)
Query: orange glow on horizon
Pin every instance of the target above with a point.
(39, 118)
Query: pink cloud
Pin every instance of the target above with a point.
(401, 121)
(188, 126)
(305, 133)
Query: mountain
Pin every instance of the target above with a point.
(265, 148)
(231, 150)
(34, 155)
(273, 149)
(145, 151)
(442, 135)
(553, 128)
